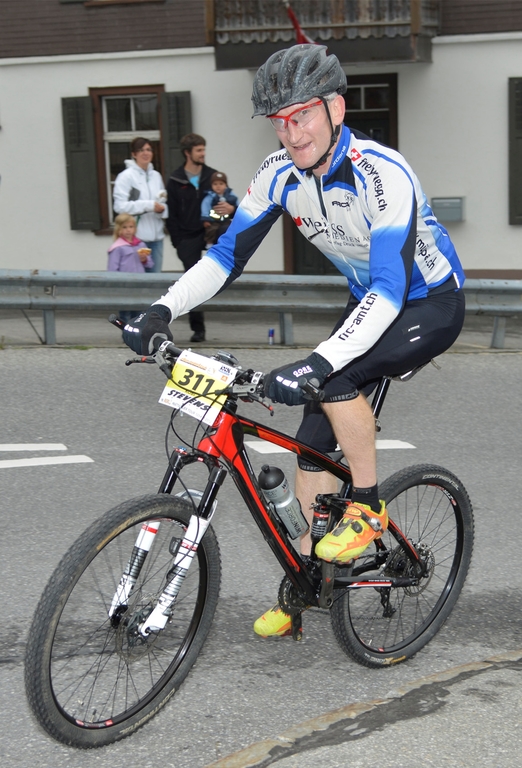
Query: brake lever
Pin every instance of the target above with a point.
(145, 359)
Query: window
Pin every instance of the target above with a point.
(98, 130)
(123, 118)
(371, 106)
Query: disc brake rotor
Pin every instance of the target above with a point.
(131, 645)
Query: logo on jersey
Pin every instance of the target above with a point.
(355, 155)
(280, 157)
(332, 231)
(362, 311)
(348, 201)
(373, 176)
(423, 251)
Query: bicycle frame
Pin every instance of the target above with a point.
(226, 445)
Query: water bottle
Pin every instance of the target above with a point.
(276, 489)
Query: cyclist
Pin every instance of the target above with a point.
(362, 205)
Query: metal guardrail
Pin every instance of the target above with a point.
(50, 291)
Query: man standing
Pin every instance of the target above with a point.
(185, 190)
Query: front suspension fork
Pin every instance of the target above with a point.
(198, 524)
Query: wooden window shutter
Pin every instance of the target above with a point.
(176, 121)
(515, 150)
(80, 154)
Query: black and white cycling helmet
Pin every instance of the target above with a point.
(295, 75)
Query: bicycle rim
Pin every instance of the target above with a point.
(379, 626)
(105, 680)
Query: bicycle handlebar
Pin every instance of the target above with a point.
(248, 385)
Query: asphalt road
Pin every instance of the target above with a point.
(243, 689)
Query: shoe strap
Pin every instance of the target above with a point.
(361, 514)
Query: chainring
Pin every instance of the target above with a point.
(289, 600)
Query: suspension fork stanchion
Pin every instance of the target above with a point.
(144, 541)
(187, 549)
(176, 464)
(132, 570)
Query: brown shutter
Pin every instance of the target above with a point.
(515, 150)
(80, 154)
(176, 121)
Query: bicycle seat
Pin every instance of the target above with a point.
(410, 374)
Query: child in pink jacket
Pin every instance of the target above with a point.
(127, 253)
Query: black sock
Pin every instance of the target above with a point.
(369, 496)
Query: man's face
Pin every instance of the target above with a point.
(307, 143)
(197, 154)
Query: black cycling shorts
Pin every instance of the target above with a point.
(424, 329)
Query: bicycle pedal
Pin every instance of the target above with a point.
(327, 584)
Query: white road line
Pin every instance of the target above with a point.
(38, 462)
(32, 447)
(392, 445)
(263, 447)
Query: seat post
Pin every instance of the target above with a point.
(380, 395)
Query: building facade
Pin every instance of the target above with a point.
(441, 81)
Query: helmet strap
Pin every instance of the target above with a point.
(333, 138)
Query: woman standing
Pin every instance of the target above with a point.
(140, 191)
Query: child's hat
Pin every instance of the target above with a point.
(218, 176)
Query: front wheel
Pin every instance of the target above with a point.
(383, 626)
(91, 678)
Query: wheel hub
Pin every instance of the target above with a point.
(131, 645)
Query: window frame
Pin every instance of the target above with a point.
(391, 80)
(97, 95)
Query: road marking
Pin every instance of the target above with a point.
(262, 446)
(38, 462)
(393, 445)
(32, 447)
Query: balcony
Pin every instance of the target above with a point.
(246, 32)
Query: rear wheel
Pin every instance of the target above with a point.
(382, 626)
(91, 679)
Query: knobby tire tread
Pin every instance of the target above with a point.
(53, 602)
(347, 635)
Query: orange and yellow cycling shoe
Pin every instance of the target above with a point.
(359, 526)
(273, 623)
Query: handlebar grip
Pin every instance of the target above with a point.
(116, 321)
(311, 387)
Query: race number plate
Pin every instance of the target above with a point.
(194, 383)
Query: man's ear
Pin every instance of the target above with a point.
(338, 110)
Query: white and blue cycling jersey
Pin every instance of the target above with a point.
(368, 215)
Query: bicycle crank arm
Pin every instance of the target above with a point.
(157, 620)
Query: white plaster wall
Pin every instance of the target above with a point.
(453, 130)
(34, 214)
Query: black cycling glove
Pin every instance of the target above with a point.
(281, 385)
(144, 334)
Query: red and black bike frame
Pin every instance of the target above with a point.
(224, 444)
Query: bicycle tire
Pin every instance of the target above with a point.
(380, 627)
(90, 683)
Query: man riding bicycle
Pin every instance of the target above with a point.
(361, 204)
